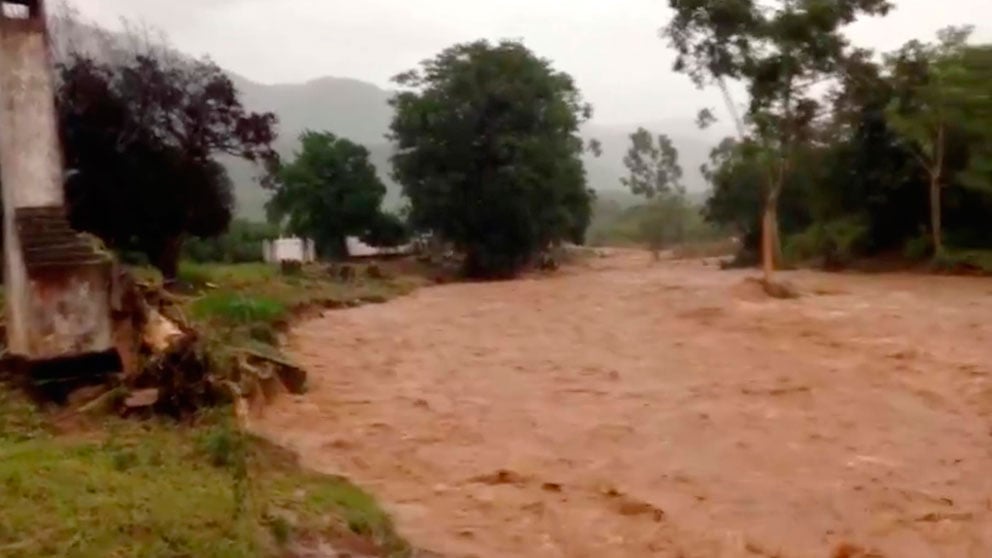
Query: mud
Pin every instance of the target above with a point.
(634, 408)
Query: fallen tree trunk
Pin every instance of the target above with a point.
(169, 367)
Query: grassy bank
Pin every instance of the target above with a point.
(86, 486)
(154, 488)
(232, 296)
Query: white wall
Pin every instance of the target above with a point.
(289, 249)
(358, 249)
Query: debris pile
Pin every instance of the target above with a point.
(168, 366)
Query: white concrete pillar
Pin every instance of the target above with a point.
(57, 291)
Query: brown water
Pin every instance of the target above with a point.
(628, 409)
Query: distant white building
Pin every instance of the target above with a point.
(293, 249)
(358, 249)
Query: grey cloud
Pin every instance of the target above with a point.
(610, 46)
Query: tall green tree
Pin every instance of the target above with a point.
(489, 153)
(653, 167)
(779, 49)
(942, 90)
(654, 172)
(328, 192)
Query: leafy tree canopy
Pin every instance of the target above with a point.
(330, 191)
(941, 92)
(489, 153)
(387, 230)
(859, 187)
(139, 139)
(654, 167)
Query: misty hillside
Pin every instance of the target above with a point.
(360, 112)
(349, 108)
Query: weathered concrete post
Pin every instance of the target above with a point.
(57, 283)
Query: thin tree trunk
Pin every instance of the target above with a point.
(935, 206)
(935, 211)
(779, 259)
(167, 258)
(768, 241)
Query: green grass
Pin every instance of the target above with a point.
(161, 489)
(229, 275)
(156, 488)
(20, 420)
(238, 308)
(239, 295)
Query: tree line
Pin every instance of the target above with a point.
(841, 153)
(143, 129)
(487, 152)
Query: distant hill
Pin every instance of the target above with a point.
(349, 108)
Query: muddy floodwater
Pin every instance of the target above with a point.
(625, 408)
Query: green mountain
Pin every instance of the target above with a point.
(349, 108)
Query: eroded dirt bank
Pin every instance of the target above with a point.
(636, 409)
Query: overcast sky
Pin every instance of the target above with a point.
(610, 46)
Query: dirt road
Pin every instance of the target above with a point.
(634, 409)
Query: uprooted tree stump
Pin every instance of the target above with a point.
(270, 374)
(168, 366)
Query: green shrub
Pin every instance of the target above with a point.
(846, 239)
(242, 243)
(918, 248)
(834, 243)
(804, 246)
